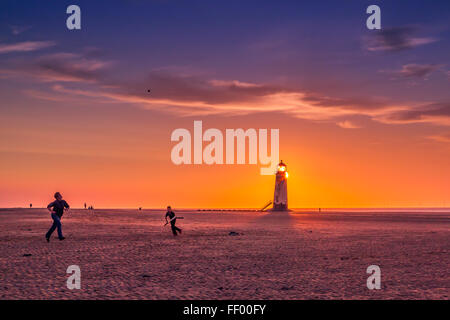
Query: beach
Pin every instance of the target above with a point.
(130, 254)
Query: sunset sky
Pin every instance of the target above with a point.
(364, 115)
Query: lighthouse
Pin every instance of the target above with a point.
(280, 193)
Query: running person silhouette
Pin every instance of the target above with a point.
(172, 220)
(57, 208)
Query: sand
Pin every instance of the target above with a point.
(128, 254)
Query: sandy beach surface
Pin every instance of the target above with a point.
(129, 254)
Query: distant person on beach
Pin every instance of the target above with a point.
(172, 219)
(31, 205)
(85, 206)
(57, 208)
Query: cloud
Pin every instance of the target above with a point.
(346, 124)
(86, 76)
(443, 137)
(190, 96)
(25, 46)
(72, 67)
(194, 89)
(234, 83)
(436, 113)
(15, 30)
(413, 70)
(396, 39)
(186, 96)
(60, 67)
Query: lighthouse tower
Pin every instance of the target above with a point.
(280, 194)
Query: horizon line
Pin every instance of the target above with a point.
(239, 208)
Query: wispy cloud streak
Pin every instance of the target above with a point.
(396, 39)
(25, 46)
(87, 77)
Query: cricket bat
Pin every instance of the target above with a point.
(172, 220)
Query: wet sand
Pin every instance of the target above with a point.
(128, 254)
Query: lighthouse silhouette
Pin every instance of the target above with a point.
(280, 202)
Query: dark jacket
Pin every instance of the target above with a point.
(170, 215)
(58, 207)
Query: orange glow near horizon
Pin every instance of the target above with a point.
(123, 161)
